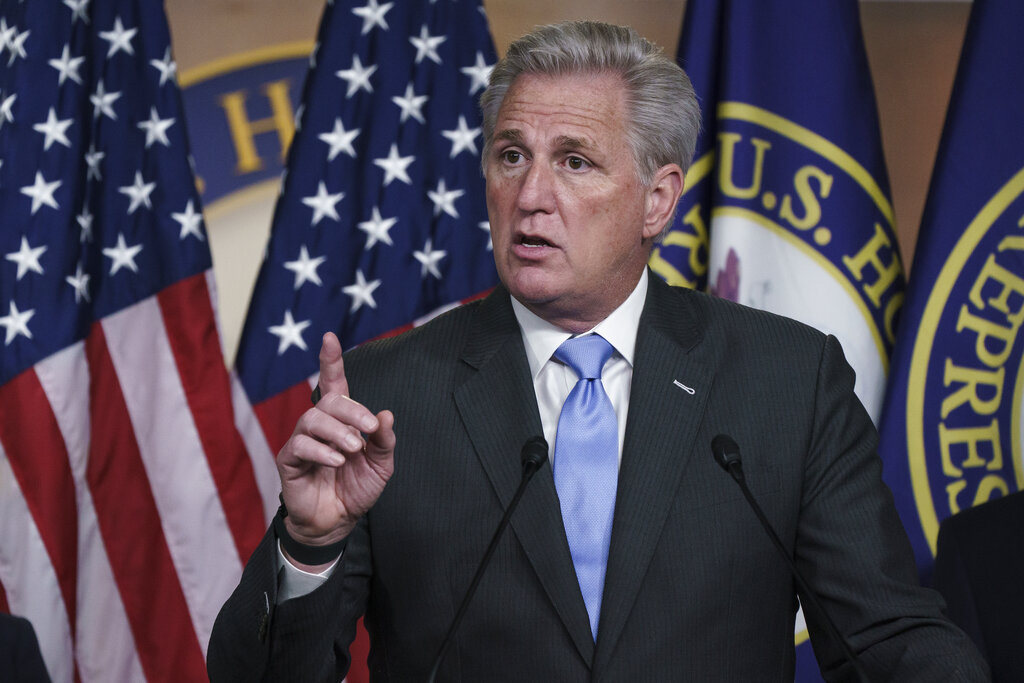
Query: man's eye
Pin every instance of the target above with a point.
(575, 163)
(511, 156)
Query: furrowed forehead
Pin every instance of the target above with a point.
(512, 135)
(569, 142)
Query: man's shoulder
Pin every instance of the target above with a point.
(13, 627)
(996, 517)
(719, 319)
(443, 334)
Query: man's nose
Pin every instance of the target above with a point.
(537, 191)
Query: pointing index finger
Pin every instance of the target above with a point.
(332, 368)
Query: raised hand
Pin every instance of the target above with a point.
(336, 463)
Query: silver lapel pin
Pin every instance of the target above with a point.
(690, 390)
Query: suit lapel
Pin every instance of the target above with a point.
(660, 431)
(499, 409)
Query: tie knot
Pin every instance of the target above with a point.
(585, 355)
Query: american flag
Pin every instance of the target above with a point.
(128, 501)
(382, 221)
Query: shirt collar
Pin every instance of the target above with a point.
(541, 338)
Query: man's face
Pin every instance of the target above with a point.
(571, 224)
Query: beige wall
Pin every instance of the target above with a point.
(913, 48)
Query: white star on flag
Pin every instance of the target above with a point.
(78, 8)
(486, 227)
(462, 137)
(357, 76)
(41, 192)
(190, 220)
(290, 333)
(16, 322)
(361, 292)
(6, 32)
(156, 129)
(426, 45)
(92, 160)
(54, 130)
(138, 193)
(120, 38)
(6, 113)
(479, 73)
(411, 105)
(339, 140)
(394, 166)
(122, 256)
(17, 46)
(103, 102)
(167, 67)
(80, 281)
(305, 268)
(323, 203)
(373, 15)
(67, 66)
(27, 258)
(376, 229)
(429, 258)
(444, 199)
(84, 220)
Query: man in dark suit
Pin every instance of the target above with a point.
(20, 658)
(588, 132)
(978, 569)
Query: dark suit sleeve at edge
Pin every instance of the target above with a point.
(951, 578)
(304, 639)
(20, 658)
(856, 555)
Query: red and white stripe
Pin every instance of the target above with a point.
(129, 501)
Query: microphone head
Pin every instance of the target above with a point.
(726, 452)
(535, 452)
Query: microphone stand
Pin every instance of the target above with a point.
(534, 455)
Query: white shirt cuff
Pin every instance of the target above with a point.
(293, 582)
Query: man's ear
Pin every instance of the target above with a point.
(662, 198)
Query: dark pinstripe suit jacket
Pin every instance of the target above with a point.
(978, 569)
(694, 591)
(20, 658)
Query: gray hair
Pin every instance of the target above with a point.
(662, 109)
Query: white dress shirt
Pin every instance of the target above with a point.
(552, 382)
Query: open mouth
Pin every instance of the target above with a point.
(528, 241)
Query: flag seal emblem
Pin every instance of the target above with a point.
(784, 194)
(963, 449)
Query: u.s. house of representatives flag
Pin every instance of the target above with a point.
(382, 219)
(789, 183)
(127, 499)
(951, 435)
(786, 207)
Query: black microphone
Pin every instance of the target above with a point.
(533, 457)
(727, 454)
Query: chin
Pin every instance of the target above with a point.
(533, 297)
(532, 287)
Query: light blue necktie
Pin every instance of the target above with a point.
(587, 466)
